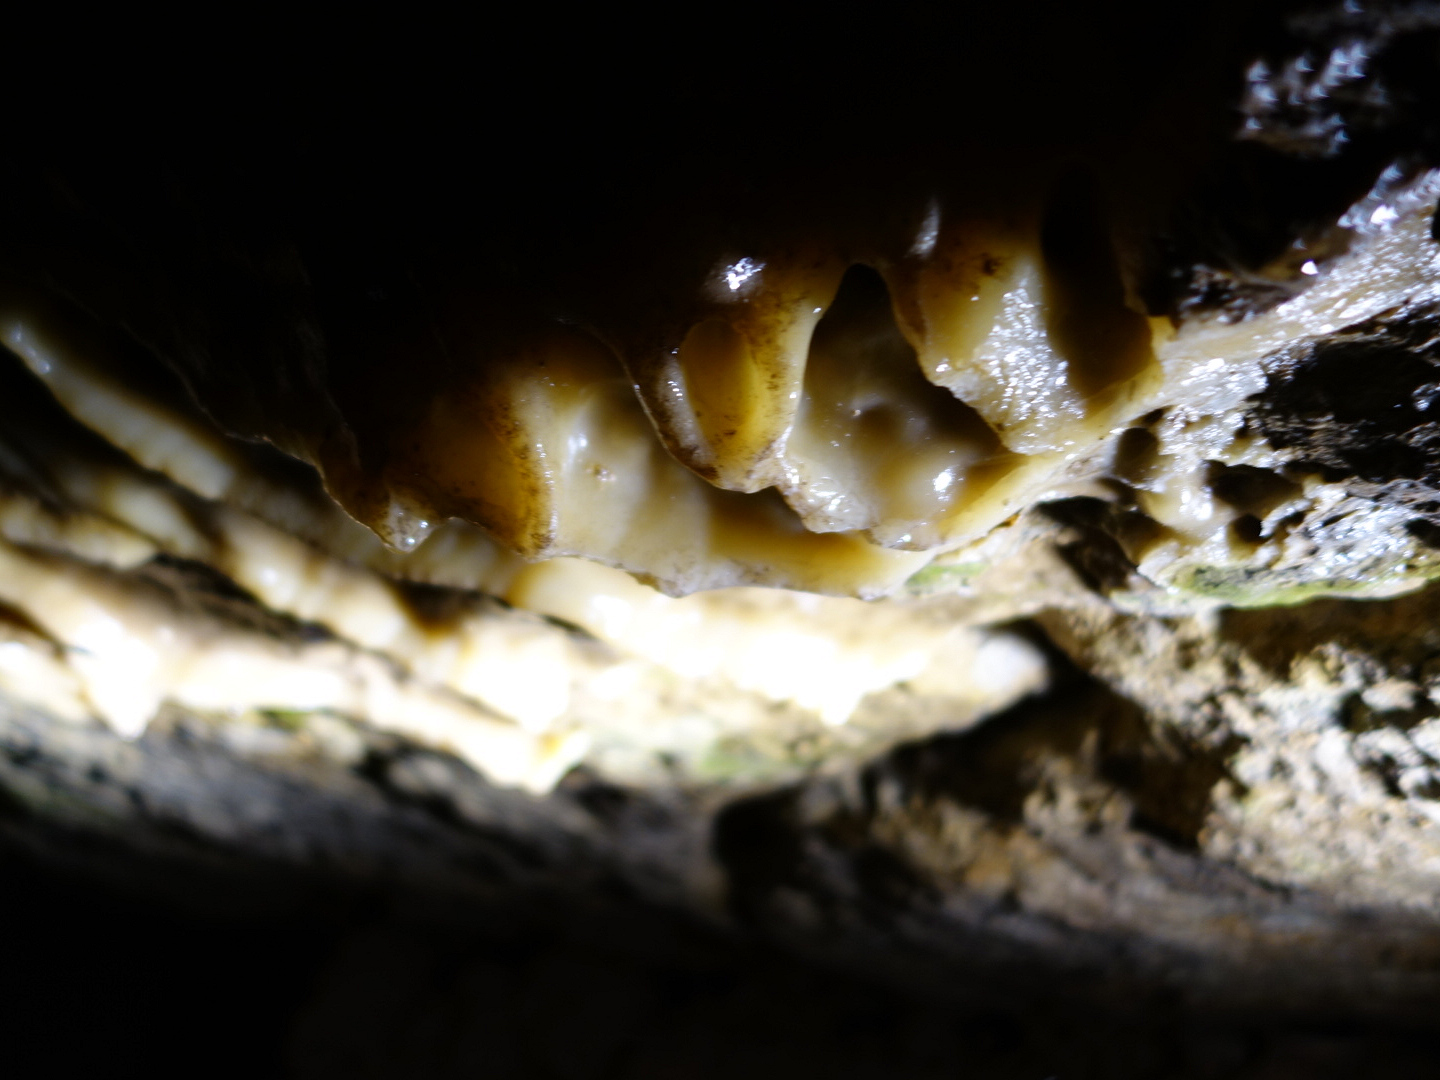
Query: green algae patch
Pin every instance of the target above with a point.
(1246, 587)
(942, 578)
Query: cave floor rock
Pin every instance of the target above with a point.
(1037, 895)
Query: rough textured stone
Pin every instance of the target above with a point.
(1211, 846)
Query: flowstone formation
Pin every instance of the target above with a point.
(938, 554)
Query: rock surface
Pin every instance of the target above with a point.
(1197, 834)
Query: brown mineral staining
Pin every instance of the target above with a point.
(963, 495)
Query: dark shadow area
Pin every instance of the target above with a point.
(1378, 431)
(105, 973)
(105, 981)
